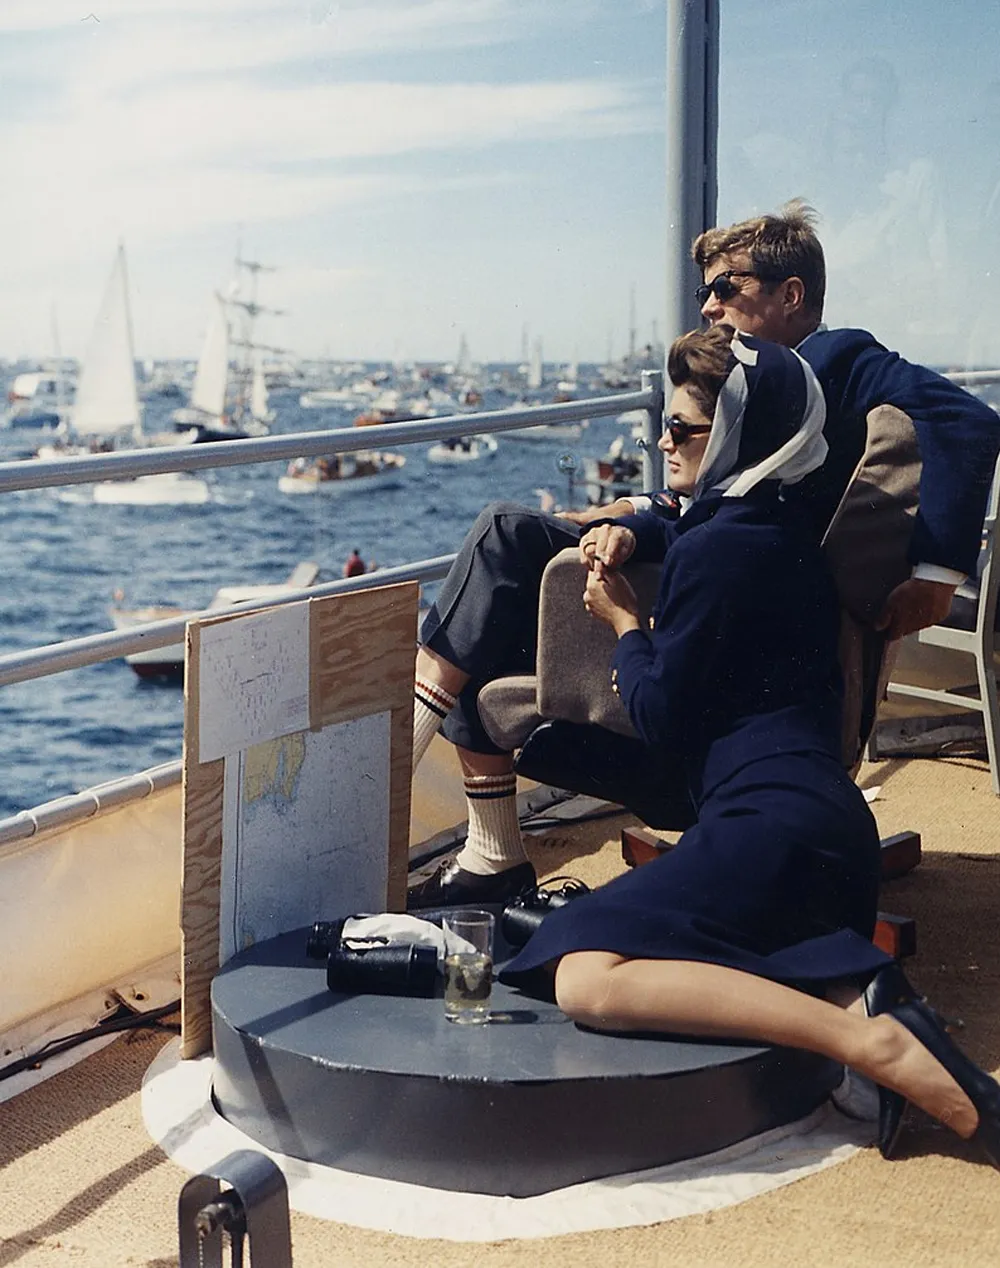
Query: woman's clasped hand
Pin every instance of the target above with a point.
(607, 595)
(607, 547)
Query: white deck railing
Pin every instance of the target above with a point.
(53, 658)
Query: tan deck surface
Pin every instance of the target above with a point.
(81, 1183)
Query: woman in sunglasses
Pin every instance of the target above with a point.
(762, 915)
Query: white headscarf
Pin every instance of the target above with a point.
(768, 422)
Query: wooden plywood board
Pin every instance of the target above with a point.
(361, 648)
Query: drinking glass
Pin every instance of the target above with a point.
(468, 965)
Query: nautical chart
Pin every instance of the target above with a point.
(253, 680)
(301, 840)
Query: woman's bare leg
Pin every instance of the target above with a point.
(609, 992)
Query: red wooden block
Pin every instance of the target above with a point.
(639, 846)
(900, 854)
(895, 935)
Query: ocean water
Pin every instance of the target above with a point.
(63, 557)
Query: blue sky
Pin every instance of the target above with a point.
(422, 168)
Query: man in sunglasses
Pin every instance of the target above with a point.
(766, 277)
(901, 498)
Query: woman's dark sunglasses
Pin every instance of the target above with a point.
(681, 432)
(721, 286)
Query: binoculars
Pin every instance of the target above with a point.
(377, 966)
(372, 966)
(522, 917)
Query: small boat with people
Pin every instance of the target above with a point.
(460, 449)
(340, 473)
(617, 474)
(37, 400)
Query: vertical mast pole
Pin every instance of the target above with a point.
(692, 137)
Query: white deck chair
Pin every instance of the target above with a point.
(979, 642)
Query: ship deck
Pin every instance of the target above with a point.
(84, 1184)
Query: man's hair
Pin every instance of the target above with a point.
(701, 361)
(779, 246)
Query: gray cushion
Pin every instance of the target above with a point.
(573, 680)
(575, 649)
(508, 708)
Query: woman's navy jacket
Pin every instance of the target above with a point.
(741, 659)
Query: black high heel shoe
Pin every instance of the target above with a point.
(981, 1088)
(887, 990)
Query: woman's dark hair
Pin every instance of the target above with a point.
(701, 361)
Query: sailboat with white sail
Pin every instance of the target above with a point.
(107, 414)
(535, 375)
(206, 408)
(260, 410)
(106, 410)
(107, 397)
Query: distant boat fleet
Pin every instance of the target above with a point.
(99, 407)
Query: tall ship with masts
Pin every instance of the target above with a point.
(229, 398)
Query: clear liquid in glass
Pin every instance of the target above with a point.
(467, 981)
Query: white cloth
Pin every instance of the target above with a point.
(395, 929)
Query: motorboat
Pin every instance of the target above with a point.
(546, 431)
(165, 488)
(616, 474)
(329, 398)
(457, 450)
(166, 664)
(36, 399)
(342, 473)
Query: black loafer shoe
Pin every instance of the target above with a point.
(886, 991)
(453, 886)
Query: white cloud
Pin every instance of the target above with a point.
(185, 159)
(133, 38)
(175, 123)
(232, 122)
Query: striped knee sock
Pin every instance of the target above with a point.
(431, 705)
(494, 842)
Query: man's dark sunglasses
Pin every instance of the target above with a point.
(681, 432)
(721, 286)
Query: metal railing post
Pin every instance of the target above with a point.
(652, 457)
(692, 133)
